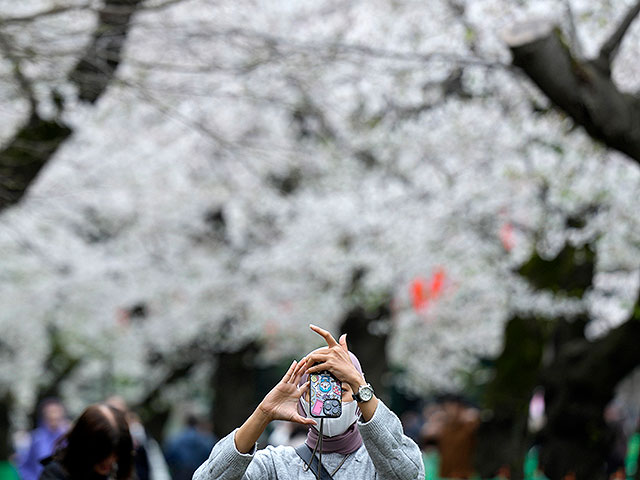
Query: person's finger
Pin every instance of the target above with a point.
(319, 367)
(316, 357)
(299, 372)
(325, 334)
(303, 389)
(287, 375)
(304, 420)
(343, 342)
(299, 365)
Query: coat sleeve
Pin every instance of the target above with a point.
(226, 463)
(394, 455)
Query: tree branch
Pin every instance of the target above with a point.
(44, 13)
(97, 67)
(610, 47)
(71, 8)
(575, 41)
(38, 140)
(577, 87)
(20, 164)
(24, 83)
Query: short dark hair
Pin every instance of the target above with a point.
(101, 430)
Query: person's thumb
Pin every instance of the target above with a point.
(343, 341)
(303, 420)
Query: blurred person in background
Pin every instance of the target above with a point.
(97, 447)
(150, 463)
(456, 436)
(187, 449)
(52, 424)
(366, 441)
(412, 422)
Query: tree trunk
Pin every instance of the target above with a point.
(153, 412)
(503, 438)
(582, 89)
(579, 383)
(234, 385)
(369, 345)
(60, 365)
(6, 444)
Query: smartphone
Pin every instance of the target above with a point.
(325, 395)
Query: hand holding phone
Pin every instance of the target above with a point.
(325, 395)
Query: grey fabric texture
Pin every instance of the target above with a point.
(386, 454)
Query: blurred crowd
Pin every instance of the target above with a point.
(53, 438)
(444, 428)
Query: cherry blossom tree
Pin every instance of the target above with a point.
(235, 171)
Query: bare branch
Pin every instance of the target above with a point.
(610, 47)
(360, 49)
(286, 45)
(161, 5)
(24, 83)
(44, 13)
(97, 67)
(117, 9)
(576, 46)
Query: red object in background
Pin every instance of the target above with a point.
(437, 280)
(418, 297)
(422, 294)
(506, 236)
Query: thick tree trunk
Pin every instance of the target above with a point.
(581, 378)
(6, 444)
(503, 438)
(155, 415)
(178, 364)
(582, 89)
(370, 345)
(579, 383)
(234, 385)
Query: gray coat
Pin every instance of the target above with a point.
(387, 454)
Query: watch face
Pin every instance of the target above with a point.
(365, 393)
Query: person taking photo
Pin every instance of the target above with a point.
(365, 442)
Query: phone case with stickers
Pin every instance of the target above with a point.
(325, 395)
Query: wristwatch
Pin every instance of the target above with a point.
(365, 393)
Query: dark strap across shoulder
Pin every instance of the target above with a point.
(305, 453)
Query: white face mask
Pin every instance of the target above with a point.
(332, 427)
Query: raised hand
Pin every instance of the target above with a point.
(281, 403)
(334, 358)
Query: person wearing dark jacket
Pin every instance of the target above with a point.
(188, 449)
(97, 447)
